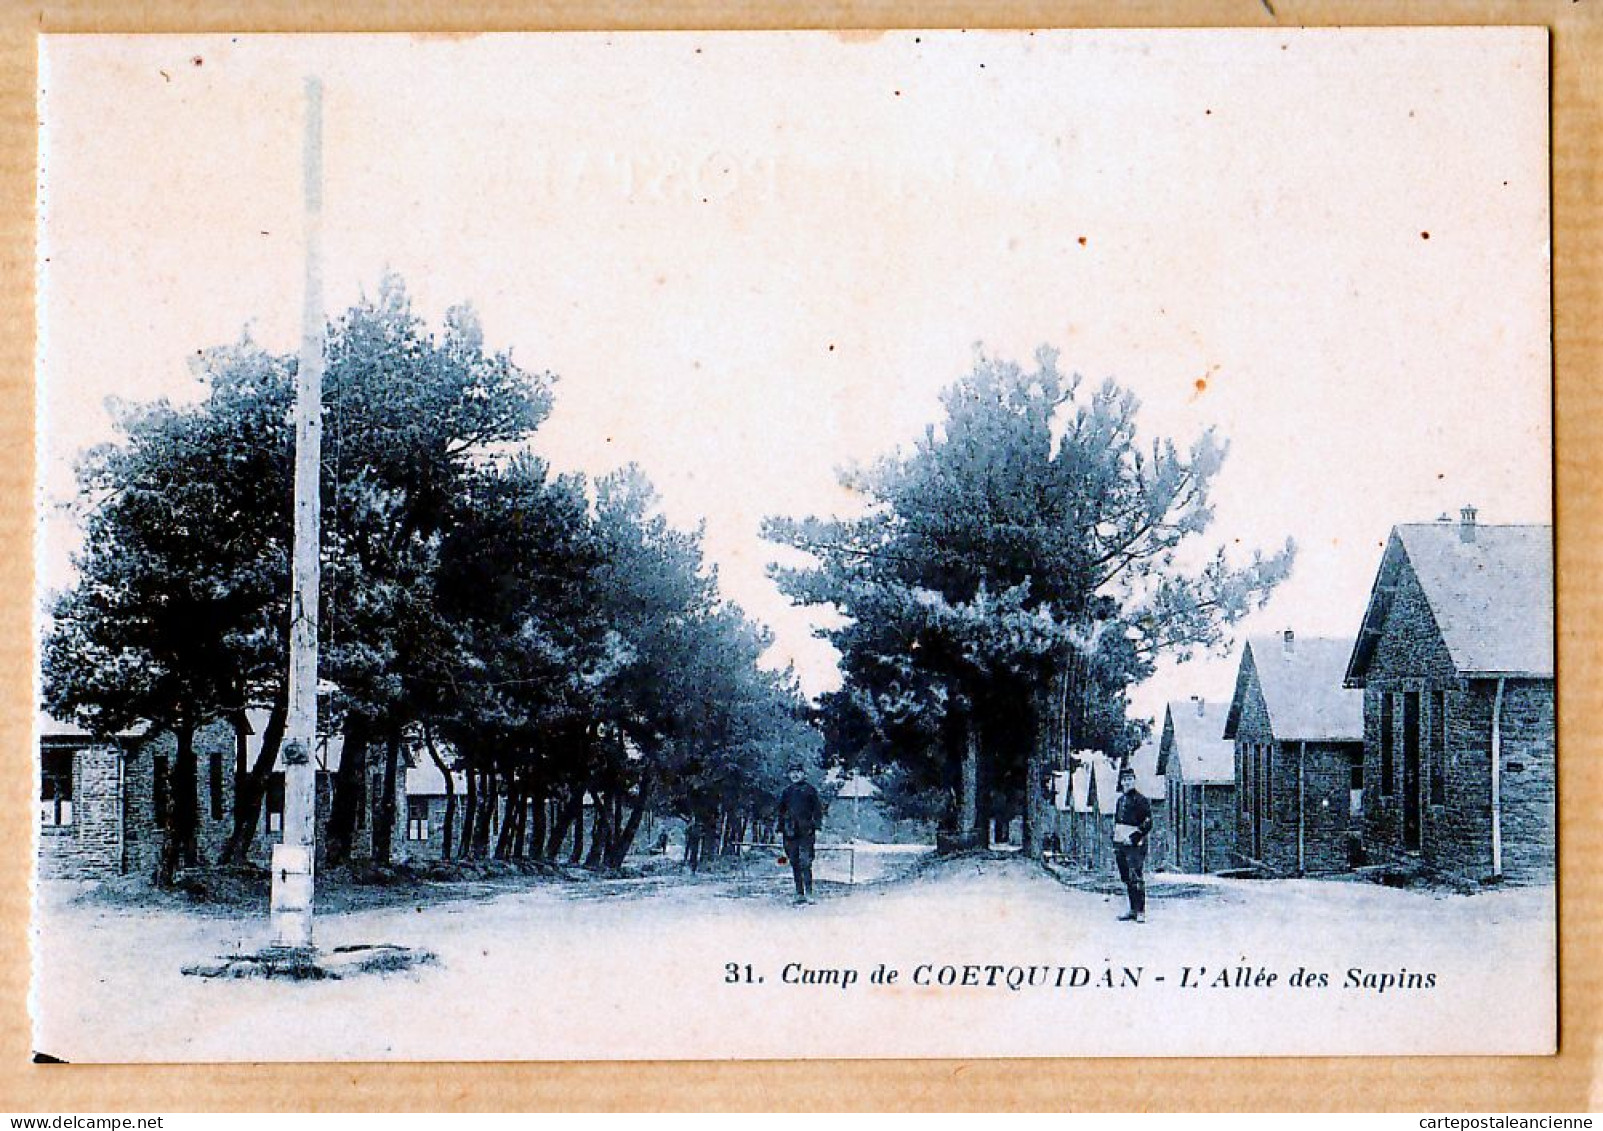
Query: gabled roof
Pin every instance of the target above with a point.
(425, 780)
(1302, 687)
(1206, 756)
(1099, 770)
(1145, 764)
(1491, 596)
(858, 785)
(853, 784)
(52, 729)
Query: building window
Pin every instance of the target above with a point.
(215, 773)
(273, 803)
(1438, 748)
(1386, 760)
(55, 788)
(158, 789)
(1244, 776)
(1355, 784)
(417, 818)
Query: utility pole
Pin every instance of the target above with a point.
(291, 906)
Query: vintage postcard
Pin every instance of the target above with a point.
(785, 545)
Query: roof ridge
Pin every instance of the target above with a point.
(1454, 524)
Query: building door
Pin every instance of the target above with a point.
(1411, 769)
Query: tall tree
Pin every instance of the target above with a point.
(411, 412)
(1014, 572)
(179, 612)
(176, 617)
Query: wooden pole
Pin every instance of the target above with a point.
(291, 907)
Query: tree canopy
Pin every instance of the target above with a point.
(559, 638)
(1011, 575)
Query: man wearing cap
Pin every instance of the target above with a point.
(801, 811)
(1132, 821)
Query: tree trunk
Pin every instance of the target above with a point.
(538, 820)
(1038, 764)
(470, 813)
(598, 835)
(968, 796)
(985, 792)
(241, 724)
(509, 819)
(384, 811)
(250, 787)
(626, 835)
(450, 791)
(572, 809)
(519, 833)
(486, 816)
(180, 821)
(577, 853)
(350, 790)
(692, 844)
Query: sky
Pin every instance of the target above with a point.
(755, 258)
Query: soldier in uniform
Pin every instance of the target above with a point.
(1132, 821)
(801, 811)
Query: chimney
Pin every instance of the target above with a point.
(1466, 524)
(1444, 518)
(1201, 705)
(1288, 641)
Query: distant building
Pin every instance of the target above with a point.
(1299, 755)
(426, 804)
(857, 813)
(1455, 661)
(1198, 767)
(1084, 799)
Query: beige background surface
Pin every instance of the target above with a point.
(1548, 1083)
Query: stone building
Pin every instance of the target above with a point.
(81, 829)
(1455, 664)
(1198, 767)
(1299, 756)
(101, 800)
(426, 804)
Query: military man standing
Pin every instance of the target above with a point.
(1132, 821)
(801, 811)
